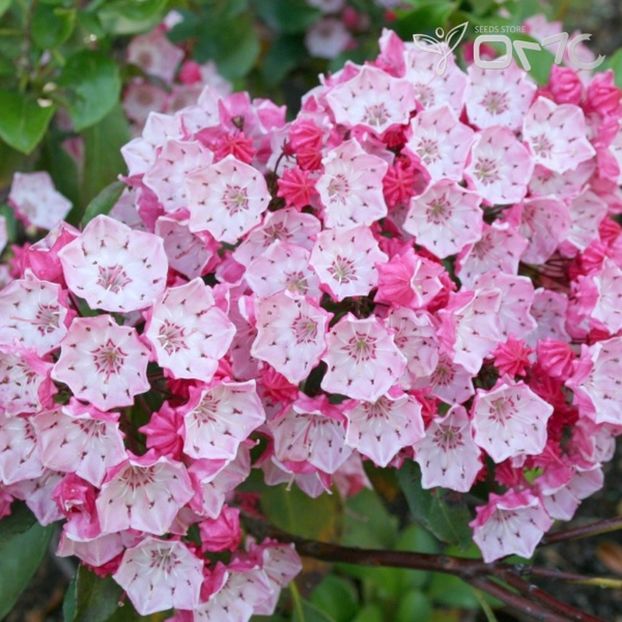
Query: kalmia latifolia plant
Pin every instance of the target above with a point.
(423, 267)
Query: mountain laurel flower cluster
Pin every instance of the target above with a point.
(418, 267)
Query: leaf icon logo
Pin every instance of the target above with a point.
(442, 44)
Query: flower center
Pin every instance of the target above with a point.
(495, 102)
(376, 115)
(171, 337)
(438, 210)
(338, 189)
(342, 270)
(486, 171)
(304, 329)
(542, 146)
(428, 150)
(46, 318)
(296, 282)
(448, 437)
(113, 278)
(108, 359)
(361, 347)
(235, 199)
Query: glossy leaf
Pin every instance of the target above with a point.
(20, 556)
(93, 84)
(287, 17)
(293, 511)
(23, 121)
(52, 26)
(102, 159)
(336, 596)
(439, 511)
(103, 202)
(126, 17)
(90, 598)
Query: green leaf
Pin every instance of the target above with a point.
(7, 212)
(367, 523)
(452, 592)
(442, 513)
(426, 17)
(4, 6)
(102, 157)
(90, 598)
(417, 540)
(287, 17)
(23, 121)
(614, 62)
(541, 60)
(295, 512)
(233, 44)
(414, 606)
(336, 596)
(285, 54)
(127, 17)
(310, 613)
(52, 26)
(93, 83)
(103, 202)
(11, 160)
(60, 165)
(20, 556)
(371, 613)
(20, 519)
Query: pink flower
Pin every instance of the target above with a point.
(222, 533)
(499, 249)
(155, 54)
(297, 187)
(496, 97)
(143, 493)
(373, 99)
(327, 38)
(36, 201)
(445, 218)
(408, 280)
(565, 85)
(440, 142)
(544, 223)
(469, 326)
(19, 453)
(286, 225)
(219, 417)
(188, 332)
(283, 267)
(603, 96)
(164, 432)
(345, 261)
(113, 267)
(447, 454)
(587, 211)
(556, 135)
(174, 163)
(227, 199)
(291, 335)
(449, 381)
(102, 362)
(380, 429)
(500, 166)
(159, 575)
(608, 283)
(33, 314)
(596, 381)
(350, 187)
(188, 253)
(79, 439)
(26, 386)
(512, 357)
(510, 524)
(363, 360)
(310, 432)
(414, 334)
(510, 420)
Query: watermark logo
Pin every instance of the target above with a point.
(444, 44)
(561, 44)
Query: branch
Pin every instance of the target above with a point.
(584, 531)
(530, 599)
